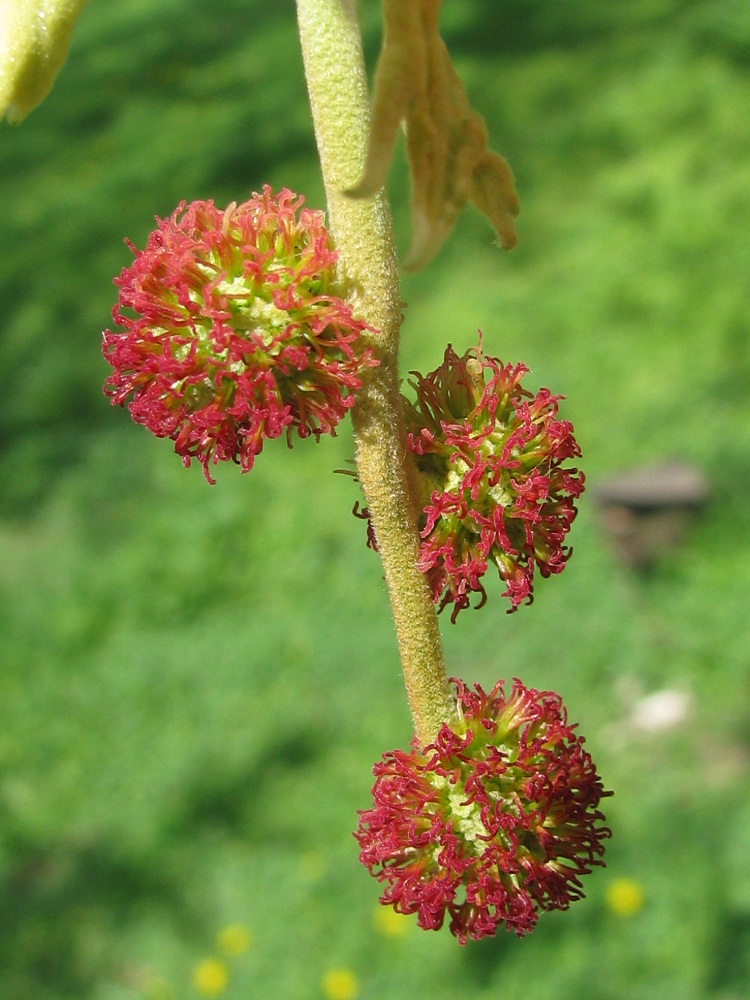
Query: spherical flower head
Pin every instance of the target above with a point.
(232, 332)
(490, 459)
(493, 822)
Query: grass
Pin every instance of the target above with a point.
(197, 680)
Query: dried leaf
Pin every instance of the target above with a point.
(446, 140)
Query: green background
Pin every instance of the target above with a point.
(196, 680)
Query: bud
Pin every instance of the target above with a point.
(34, 42)
(493, 822)
(232, 332)
(489, 456)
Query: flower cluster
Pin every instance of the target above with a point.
(491, 823)
(232, 332)
(489, 456)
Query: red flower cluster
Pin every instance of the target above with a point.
(490, 460)
(491, 823)
(231, 331)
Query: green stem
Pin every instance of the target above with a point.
(336, 81)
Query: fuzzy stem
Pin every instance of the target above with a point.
(334, 68)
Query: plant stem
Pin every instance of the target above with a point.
(362, 230)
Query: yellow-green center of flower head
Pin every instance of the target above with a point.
(466, 814)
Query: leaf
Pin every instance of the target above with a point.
(34, 42)
(446, 140)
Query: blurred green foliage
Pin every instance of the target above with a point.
(196, 680)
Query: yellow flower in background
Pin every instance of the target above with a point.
(625, 897)
(34, 42)
(210, 977)
(340, 984)
(389, 923)
(235, 939)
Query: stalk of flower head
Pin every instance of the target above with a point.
(334, 68)
(234, 326)
(493, 816)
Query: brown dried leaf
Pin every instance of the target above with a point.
(446, 140)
